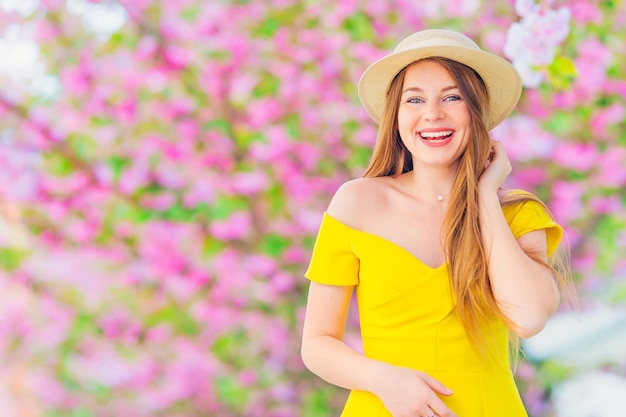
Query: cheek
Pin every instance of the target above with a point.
(404, 120)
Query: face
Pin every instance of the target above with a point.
(433, 118)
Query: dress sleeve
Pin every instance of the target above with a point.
(333, 261)
(529, 216)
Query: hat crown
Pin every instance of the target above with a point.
(434, 38)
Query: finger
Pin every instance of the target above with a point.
(439, 409)
(498, 147)
(436, 386)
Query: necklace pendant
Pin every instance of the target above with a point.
(440, 197)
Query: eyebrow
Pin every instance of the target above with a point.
(419, 90)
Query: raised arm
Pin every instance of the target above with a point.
(525, 290)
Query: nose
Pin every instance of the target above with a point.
(433, 111)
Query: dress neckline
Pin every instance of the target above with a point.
(388, 242)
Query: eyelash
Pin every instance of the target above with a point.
(454, 97)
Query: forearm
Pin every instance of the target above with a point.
(332, 360)
(525, 290)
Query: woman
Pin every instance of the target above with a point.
(446, 264)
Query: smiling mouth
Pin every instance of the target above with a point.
(439, 136)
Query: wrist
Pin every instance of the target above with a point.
(377, 377)
(488, 194)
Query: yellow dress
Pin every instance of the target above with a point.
(408, 317)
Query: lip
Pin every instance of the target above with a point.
(436, 144)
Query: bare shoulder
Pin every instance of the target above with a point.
(358, 199)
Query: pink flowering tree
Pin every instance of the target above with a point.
(165, 166)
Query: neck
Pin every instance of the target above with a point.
(430, 184)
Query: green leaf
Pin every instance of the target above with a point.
(274, 245)
(245, 138)
(360, 27)
(230, 393)
(359, 157)
(118, 165)
(317, 404)
(83, 324)
(267, 28)
(212, 246)
(123, 211)
(115, 41)
(221, 125)
(190, 13)
(277, 200)
(562, 72)
(292, 125)
(267, 86)
(58, 164)
(227, 347)
(175, 317)
(224, 206)
(560, 123)
(607, 232)
(178, 213)
(11, 258)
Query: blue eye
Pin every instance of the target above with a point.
(453, 98)
(415, 100)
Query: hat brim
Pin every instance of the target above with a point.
(504, 85)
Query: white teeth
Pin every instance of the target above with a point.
(436, 135)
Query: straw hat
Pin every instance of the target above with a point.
(503, 81)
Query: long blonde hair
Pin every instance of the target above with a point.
(461, 235)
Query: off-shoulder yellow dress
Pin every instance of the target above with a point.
(408, 317)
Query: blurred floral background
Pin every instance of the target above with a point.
(165, 165)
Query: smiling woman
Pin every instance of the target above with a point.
(432, 111)
(446, 264)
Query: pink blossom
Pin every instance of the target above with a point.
(198, 193)
(249, 183)
(524, 139)
(169, 175)
(612, 166)
(606, 205)
(261, 264)
(76, 80)
(114, 323)
(527, 178)
(294, 254)
(462, 8)
(586, 12)
(377, 7)
(262, 112)
(567, 201)
(602, 119)
(70, 184)
(278, 145)
(147, 47)
(135, 177)
(237, 226)
(82, 231)
(159, 202)
(581, 157)
(593, 58)
(282, 282)
(536, 107)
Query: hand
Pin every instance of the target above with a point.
(497, 169)
(409, 393)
